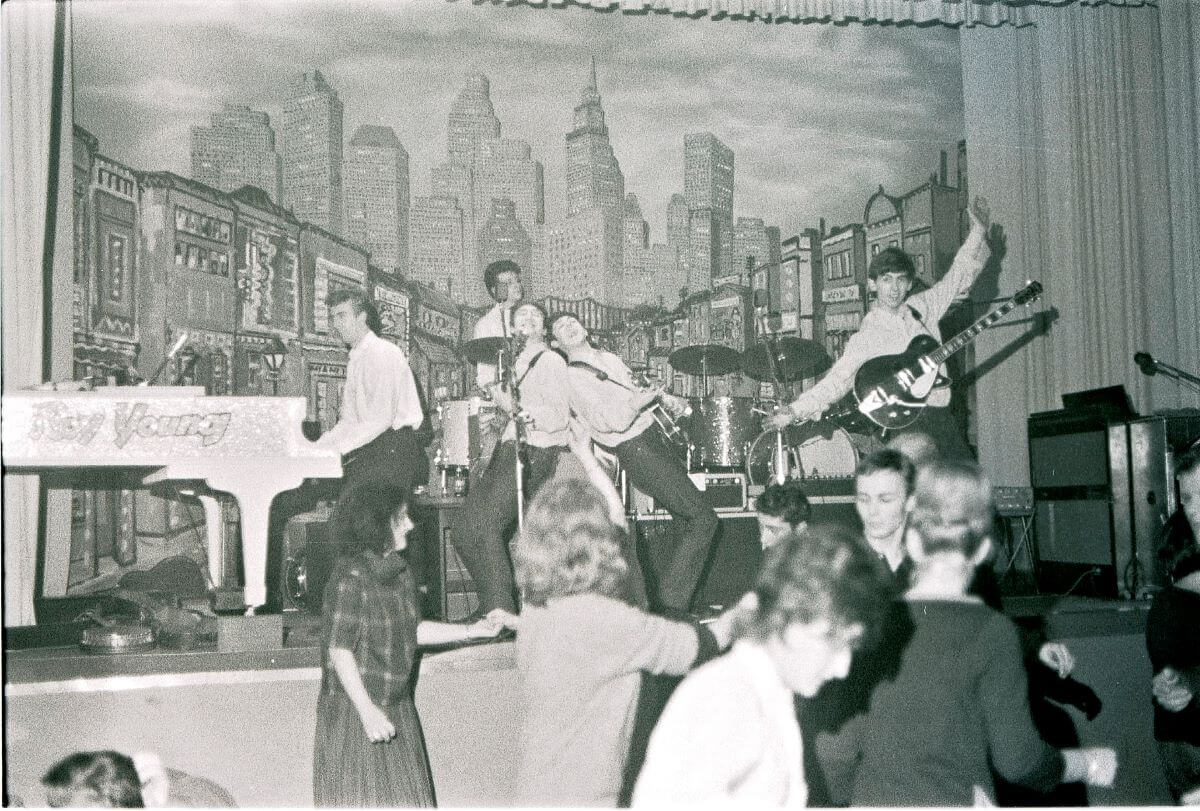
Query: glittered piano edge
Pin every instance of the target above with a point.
(102, 428)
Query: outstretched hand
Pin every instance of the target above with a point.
(980, 214)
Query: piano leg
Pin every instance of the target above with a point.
(254, 490)
(213, 521)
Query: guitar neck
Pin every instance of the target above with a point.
(969, 334)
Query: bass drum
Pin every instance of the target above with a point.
(808, 454)
(721, 430)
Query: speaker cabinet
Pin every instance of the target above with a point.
(732, 565)
(445, 589)
(1100, 499)
(307, 561)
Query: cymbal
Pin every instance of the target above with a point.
(711, 359)
(483, 350)
(795, 358)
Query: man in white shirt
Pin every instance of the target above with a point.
(381, 409)
(503, 281)
(615, 411)
(894, 320)
(540, 405)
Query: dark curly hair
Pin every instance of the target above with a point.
(786, 501)
(892, 260)
(362, 521)
(492, 271)
(104, 778)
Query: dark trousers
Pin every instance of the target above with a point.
(491, 512)
(395, 458)
(943, 426)
(653, 469)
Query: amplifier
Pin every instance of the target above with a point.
(1013, 502)
(724, 492)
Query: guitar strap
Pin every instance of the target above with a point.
(532, 362)
(598, 372)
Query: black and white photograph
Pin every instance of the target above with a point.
(626, 403)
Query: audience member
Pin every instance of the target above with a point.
(919, 448)
(883, 485)
(581, 647)
(729, 733)
(958, 707)
(108, 779)
(369, 749)
(781, 509)
(1173, 639)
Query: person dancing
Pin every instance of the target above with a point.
(368, 748)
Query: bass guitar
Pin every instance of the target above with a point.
(892, 390)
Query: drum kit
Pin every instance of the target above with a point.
(723, 433)
(726, 433)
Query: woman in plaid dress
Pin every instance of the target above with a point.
(369, 748)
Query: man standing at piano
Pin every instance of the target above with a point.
(381, 409)
(894, 320)
(616, 412)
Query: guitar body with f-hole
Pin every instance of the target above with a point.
(892, 390)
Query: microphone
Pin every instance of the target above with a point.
(1146, 363)
(171, 353)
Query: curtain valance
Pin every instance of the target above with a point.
(953, 13)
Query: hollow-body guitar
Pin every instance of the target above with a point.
(892, 390)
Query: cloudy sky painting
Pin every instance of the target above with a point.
(818, 116)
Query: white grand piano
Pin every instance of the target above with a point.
(249, 447)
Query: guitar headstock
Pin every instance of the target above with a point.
(1028, 293)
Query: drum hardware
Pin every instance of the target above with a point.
(783, 360)
(806, 455)
(484, 350)
(705, 360)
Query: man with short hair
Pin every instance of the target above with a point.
(781, 509)
(502, 279)
(895, 319)
(616, 413)
(539, 409)
(381, 408)
(883, 497)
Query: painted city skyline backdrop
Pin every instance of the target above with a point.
(817, 116)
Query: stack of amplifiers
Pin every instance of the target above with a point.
(724, 492)
(1102, 490)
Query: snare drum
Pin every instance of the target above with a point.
(721, 431)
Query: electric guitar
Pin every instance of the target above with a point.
(666, 410)
(891, 390)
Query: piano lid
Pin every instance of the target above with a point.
(133, 426)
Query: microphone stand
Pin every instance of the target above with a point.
(1177, 374)
(508, 383)
(780, 454)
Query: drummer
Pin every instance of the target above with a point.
(894, 320)
(615, 411)
(502, 279)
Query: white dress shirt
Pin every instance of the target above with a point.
(380, 394)
(728, 735)
(605, 405)
(884, 333)
(543, 391)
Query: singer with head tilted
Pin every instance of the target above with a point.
(381, 409)
(895, 320)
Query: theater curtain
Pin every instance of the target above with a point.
(1082, 130)
(28, 102)
(900, 12)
